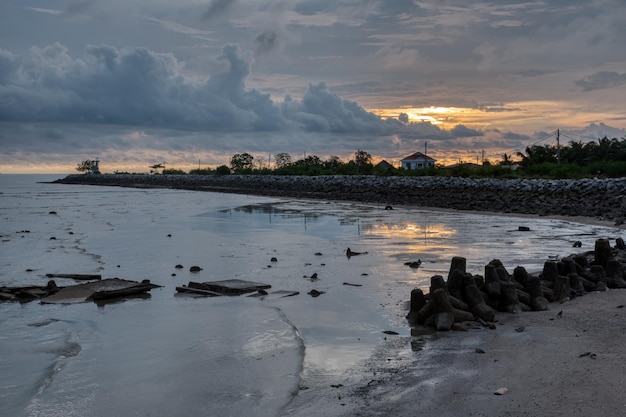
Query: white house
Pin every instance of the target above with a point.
(417, 161)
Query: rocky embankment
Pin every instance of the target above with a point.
(597, 198)
(463, 299)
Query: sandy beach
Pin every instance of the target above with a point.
(565, 361)
(549, 364)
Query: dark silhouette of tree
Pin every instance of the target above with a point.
(282, 160)
(222, 170)
(242, 162)
(363, 162)
(154, 168)
(506, 160)
(86, 166)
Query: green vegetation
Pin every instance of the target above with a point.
(88, 166)
(604, 158)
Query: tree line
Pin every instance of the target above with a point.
(604, 157)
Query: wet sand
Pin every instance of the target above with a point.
(549, 366)
(567, 361)
(570, 364)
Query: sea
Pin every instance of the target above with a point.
(328, 326)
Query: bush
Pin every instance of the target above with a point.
(174, 171)
(222, 170)
(201, 171)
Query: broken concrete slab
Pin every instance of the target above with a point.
(262, 294)
(98, 290)
(224, 287)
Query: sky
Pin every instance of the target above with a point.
(189, 83)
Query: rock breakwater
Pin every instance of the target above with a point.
(463, 298)
(593, 197)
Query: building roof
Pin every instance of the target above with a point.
(384, 164)
(417, 155)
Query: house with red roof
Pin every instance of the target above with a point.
(417, 161)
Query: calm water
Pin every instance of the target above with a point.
(169, 355)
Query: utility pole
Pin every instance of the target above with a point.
(558, 147)
(425, 148)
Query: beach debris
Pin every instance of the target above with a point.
(414, 264)
(78, 277)
(262, 294)
(501, 391)
(313, 277)
(318, 253)
(179, 266)
(274, 259)
(28, 293)
(316, 293)
(523, 229)
(577, 244)
(390, 332)
(352, 285)
(465, 297)
(224, 287)
(195, 268)
(479, 350)
(105, 289)
(350, 253)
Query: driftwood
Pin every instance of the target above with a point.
(79, 277)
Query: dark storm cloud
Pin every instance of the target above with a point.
(216, 8)
(139, 87)
(265, 42)
(516, 136)
(461, 131)
(601, 80)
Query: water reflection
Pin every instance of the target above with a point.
(409, 230)
(412, 237)
(285, 216)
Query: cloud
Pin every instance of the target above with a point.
(461, 131)
(601, 80)
(140, 87)
(265, 42)
(217, 8)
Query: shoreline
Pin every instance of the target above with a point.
(554, 366)
(592, 200)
